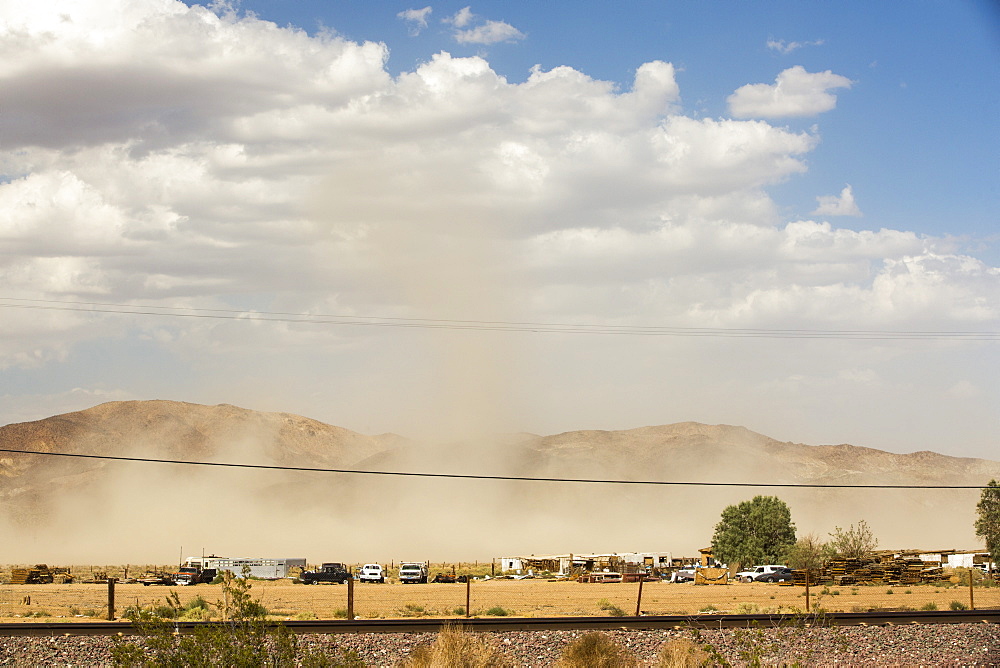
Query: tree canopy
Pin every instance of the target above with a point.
(758, 531)
(988, 519)
(854, 542)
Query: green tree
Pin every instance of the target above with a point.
(988, 519)
(854, 542)
(758, 531)
(809, 552)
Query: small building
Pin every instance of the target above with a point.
(260, 567)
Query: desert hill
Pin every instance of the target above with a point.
(47, 501)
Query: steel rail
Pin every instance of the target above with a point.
(708, 621)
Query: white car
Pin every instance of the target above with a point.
(750, 576)
(371, 573)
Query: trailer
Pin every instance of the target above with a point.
(265, 568)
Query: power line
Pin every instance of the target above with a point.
(463, 476)
(488, 325)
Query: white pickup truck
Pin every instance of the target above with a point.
(412, 573)
(371, 573)
(750, 576)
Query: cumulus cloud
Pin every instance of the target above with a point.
(795, 92)
(838, 205)
(162, 154)
(783, 47)
(416, 19)
(473, 29)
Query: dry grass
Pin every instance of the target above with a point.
(456, 648)
(682, 653)
(531, 598)
(596, 650)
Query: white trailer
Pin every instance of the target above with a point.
(260, 567)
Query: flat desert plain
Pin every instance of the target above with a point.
(286, 599)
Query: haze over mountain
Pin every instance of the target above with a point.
(61, 509)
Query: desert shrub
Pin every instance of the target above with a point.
(413, 610)
(456, 648)
(499, 611)
(747, 609)
(682, 653)
(929, 606)
(610, 608)
(709, 608)
(242, 639)
(595, 650)
(460, 610)
(958, 605)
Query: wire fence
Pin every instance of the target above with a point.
(289, 599)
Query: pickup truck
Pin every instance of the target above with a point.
(750, 576)
(189, 575)
(329, 572)
(371, 573)
(412, 573)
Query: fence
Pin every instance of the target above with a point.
(530, 597)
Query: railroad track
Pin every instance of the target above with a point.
(990, 616)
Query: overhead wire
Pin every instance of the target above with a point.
(486, 325)
(468, 476)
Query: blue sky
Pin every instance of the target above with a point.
(918, 128)
(713, 167)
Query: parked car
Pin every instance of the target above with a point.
(330, 572)
(371, 573)
(751, 575)
(685, 574)
(780, 575)
(412, 573)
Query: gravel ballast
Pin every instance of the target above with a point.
(912, 645)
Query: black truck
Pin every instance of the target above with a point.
(329, 572)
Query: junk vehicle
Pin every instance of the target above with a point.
(412, 572)
(332, 571)
(371, 573)
(189, 575)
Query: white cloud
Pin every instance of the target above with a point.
(165, 155)
(795, 92)
(486, 32)
(461, 18)
(838, 205)
(490, 32)
(416, 19)
(783, 47)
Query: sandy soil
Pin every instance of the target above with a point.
(288, 600)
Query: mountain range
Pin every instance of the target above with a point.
(90, 508)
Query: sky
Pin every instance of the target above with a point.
(453, 220)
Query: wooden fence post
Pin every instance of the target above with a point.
(972, 600)
(350, 597)
(111, 599)
(638, 600)
(807, 590)
(468, 595)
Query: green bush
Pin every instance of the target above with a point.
(498, 611)
(610, 608)
(958, 605)
(242, 639)
(929, 606)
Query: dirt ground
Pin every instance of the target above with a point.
(530, 598)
